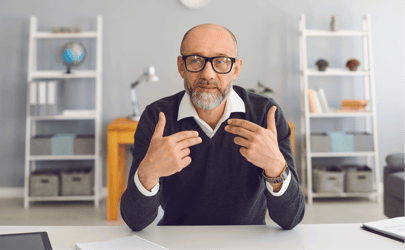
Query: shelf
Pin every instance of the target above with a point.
(62, 198)
(95, 75)
(65, 35)
(336, 72)
(307, 74)
(61, 74)
(63, 117)
(329, 195)
(342, 114)
(341, 154)
(61, 157)
(334, 33)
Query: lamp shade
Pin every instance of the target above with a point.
(153, 78)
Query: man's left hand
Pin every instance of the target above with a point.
(259, 145)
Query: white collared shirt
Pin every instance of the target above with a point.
(186, 109)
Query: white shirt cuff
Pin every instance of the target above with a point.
(142, 189)
(284, 186)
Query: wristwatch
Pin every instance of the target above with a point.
(279, 178)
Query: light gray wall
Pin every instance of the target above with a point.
(140, 33)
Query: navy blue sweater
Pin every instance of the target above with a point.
(219, 187)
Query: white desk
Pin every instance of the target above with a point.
(304, 236)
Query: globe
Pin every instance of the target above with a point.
(72, 54)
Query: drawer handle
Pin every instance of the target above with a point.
(331, 178)
(76, 179)
(360, 177)
(44, 180)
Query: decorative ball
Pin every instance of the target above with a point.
(73, 54)
(352, 64)
(322, 64)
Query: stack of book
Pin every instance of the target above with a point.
(317, 101)
(319, 104)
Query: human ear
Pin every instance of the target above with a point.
(238, 67)
(180, 66)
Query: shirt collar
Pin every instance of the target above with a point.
(234, 104)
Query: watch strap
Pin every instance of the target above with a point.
(279, 178)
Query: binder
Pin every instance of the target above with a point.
(392, 228)
(33, 98)
(42, 98)
(51, 103)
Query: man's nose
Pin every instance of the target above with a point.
(208, 72)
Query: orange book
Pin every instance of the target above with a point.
(312, 104)
(353, 103)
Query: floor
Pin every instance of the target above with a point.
(331, 210)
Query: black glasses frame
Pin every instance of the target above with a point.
(209, 59)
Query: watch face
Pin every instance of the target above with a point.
(194, 4)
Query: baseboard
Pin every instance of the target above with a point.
(11, 192)
(18, 192)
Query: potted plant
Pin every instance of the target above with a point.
(262, 89)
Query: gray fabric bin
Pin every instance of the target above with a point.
(362, 142)
(321, 143)
(328, 179)
(41, 145)
(83, 145)
(77, 182)
(45, 184)
(358, 179)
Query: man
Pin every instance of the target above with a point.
(218, 155)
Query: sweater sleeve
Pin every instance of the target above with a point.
(137, 210)
(288, 209)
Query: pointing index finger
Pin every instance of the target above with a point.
(180, 136)
(244, 124)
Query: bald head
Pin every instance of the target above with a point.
(206, 28)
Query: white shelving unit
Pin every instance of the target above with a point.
(34, 74)
(306, 116)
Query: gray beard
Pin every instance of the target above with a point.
(207, 100)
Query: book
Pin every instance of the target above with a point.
(42, 98)
(317, 101)
(324, 102)
(394, 227)
(130, 242)
(312, 104)
(353, 104)
(33, 98)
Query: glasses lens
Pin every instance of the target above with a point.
(222, 64)
(195, 63)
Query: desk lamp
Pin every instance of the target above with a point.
(148, 75)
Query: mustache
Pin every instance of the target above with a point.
(204, 82)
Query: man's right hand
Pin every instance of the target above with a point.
(166, 155)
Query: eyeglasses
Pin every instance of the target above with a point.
(220, 64)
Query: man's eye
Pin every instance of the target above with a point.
(195, 61)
